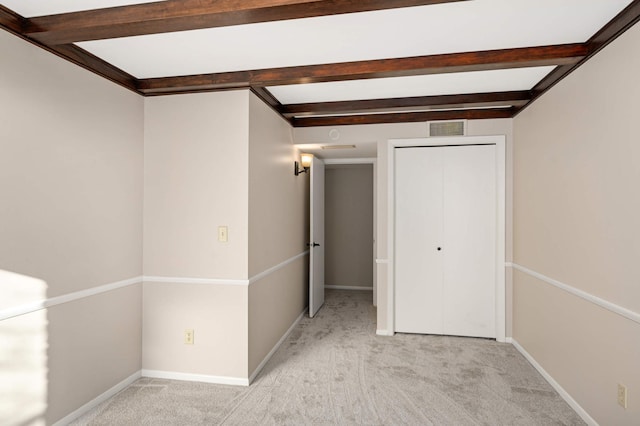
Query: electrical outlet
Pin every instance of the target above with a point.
(188, 337)
(622, 395)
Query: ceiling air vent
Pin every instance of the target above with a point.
(447, 128)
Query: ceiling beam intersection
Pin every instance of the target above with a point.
(54, 33)
(15, 24)
(614, 28)
(11, 21)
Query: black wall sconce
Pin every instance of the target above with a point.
(305, 160)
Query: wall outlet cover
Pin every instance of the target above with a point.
(188, 337)
(622, 395)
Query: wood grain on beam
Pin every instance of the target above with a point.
(616, 27)
(94, 64)
(549, 81)
(11, 21)
(195, 83)
(420, 65)
(14, 23)
(269, 99)
(181, 15)
(476, 114)
(475, 100)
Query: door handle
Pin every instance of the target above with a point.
(312, 244)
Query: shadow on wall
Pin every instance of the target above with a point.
(23, 350)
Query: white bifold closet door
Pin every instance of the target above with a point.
(445, 240)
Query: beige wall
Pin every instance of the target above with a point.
(216, 313)
(349, 225)
(278, 227)
(381, 133)
(219, 159)
(275, 302)
(196, 179)
(278, 224)
(84, 164)
(91, 348)
(71, 216)
(577, 204)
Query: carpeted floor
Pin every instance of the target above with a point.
(334, 370)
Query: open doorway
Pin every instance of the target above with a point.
(349, 227)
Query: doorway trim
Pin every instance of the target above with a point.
(373, 161)
(500, 143)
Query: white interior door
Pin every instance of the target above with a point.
(316, 237)
(445, 240)
(469, 245)
(419, 215)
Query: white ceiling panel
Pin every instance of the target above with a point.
(421, 85)
(31, 8)
(445, 28)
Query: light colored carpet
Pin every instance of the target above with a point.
(334, 370)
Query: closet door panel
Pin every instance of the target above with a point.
(418, 221)
(469, 247)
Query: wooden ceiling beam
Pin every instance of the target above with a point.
(616, 27)
(11, 21)
(15, 23)
(268, 99)
(403, 117)
(94, 64)
(474, 100)
(182, 15)
(420, 65)
(186, 13)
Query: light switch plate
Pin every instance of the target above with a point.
(223, 234)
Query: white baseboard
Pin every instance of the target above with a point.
(98, 400)
(384, 333)
(563, 393)
(222, 380)
(174, 375)
(347, 287)
(276, 347)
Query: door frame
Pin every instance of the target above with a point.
(500, 288)
(374, 163)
